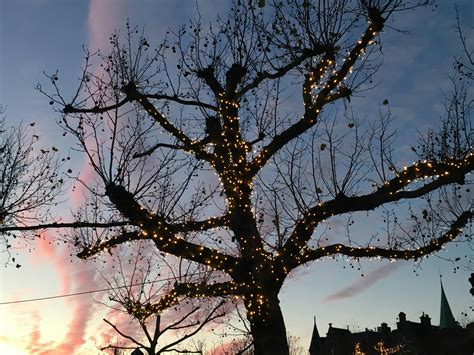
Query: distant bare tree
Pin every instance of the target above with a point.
(294, 344)
(30, 180)
(137, 284)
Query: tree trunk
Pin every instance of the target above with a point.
(268, 328)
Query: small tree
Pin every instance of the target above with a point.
(137, 284)
(197, 150)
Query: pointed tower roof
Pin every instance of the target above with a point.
(315, 345)
(446, 318)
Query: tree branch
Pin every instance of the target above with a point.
(313, 108)
(110, 346)
(123, 334)
(74, 225)
(96, 109)
(192, 290)
(406, 254)
(133, 95)
(181, 101)
(280, 72)
(155, 147)
(110, 243)
(184, 351)
(164, 235)
(446, 173)
(207, 74)
(176, 324)
(196, 226)
(210, 317)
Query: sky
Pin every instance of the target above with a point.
(49, 35)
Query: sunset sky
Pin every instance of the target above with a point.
(45, 35)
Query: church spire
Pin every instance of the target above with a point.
(315, 345)
(446, 318)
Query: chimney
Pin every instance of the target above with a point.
(384, 328)
(402, 317)
(425, 320)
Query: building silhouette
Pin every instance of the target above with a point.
(409, 337)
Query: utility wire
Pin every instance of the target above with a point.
(89, 292)
(79, 293)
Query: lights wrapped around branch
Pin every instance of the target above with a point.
(371, 251)
(443, 173)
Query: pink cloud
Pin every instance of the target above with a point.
(78, 193)
(73, 277)
(75, 336)
(47, 251)
(33, 342)
(103, 17)
(363, 283)
(35, 335)
(46, 247)
(82, 311)
(77, 277)
(83, 279)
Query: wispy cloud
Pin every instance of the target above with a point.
(362, 284)
(47, 251)
(34, 343)
(103, 18)
(73, 277)
(84, 310)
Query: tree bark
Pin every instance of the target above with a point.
(268, 328)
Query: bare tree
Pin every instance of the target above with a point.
(464, 64)
(197, 148)
(30, 180)
(462, 103)
(140, 281)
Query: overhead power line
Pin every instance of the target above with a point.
(59, 296)
(90, 292)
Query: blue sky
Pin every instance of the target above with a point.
(39, 35)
